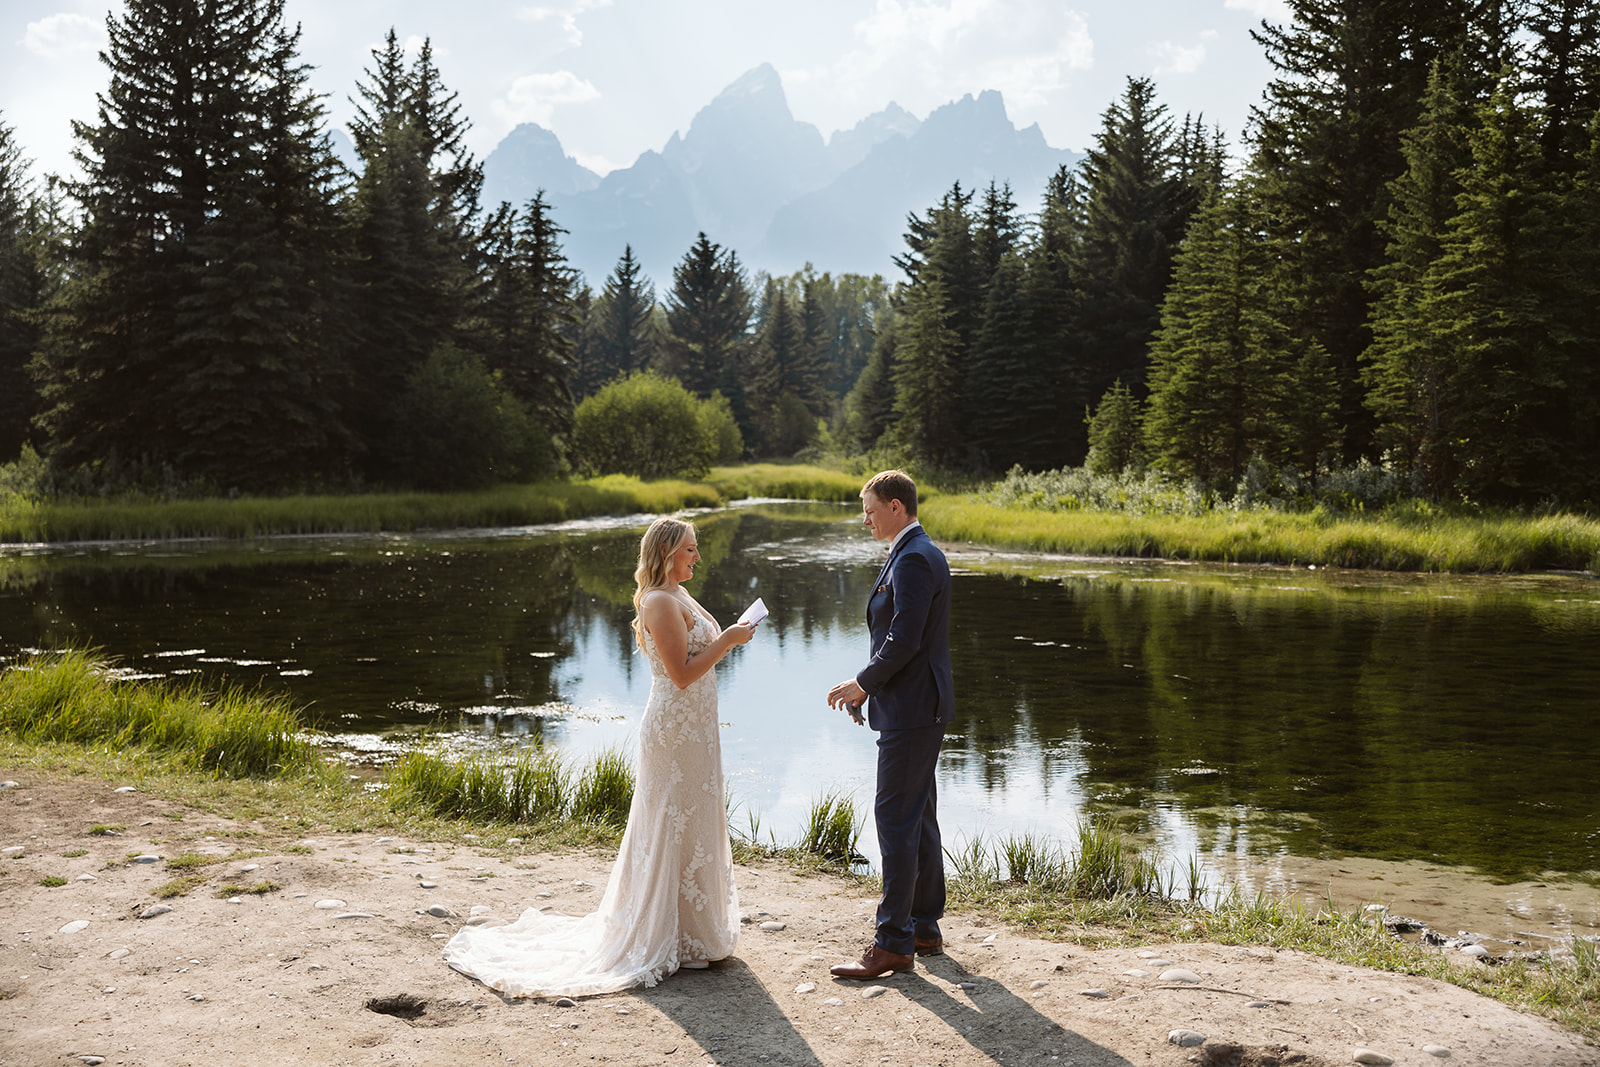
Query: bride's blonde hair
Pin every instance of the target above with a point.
(656, 549)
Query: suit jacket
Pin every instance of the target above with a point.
(908, 681)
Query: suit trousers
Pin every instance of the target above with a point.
(906, 816)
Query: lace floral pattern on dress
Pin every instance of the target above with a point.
(670, 897)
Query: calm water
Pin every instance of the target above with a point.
(1230, 712)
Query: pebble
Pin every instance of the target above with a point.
(773, 926)
(1134, 972)
(1178, 974)
(109, 989)
(1373, 1059)
(74, 926)
(1158, 963)
(247, 868)
(92, 1061)
(622, 1011)
(354, 915)
(429, 885)
(1259, 1004)
(989, 940)
(834, 1002)
(439, 911)
(482, 909)
(805, 987)
(330, 904)
(153, 910)
(1437, 1050)
(87, 878)
(124, 789)
(1185, 1038)
(1474, 950)
(967, 985)
(874, 991)
(196, 997)
(1038, 983)
(147, 858)
(118, 954)
(235, 900)
(1097, 994)
(513, 840)
(1377, 907)
(9, 785)
(13, 850)
(566, 1002)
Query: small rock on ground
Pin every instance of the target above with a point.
(1437, 1050)
(1178, 974)
(874, 991)
(153, 910)
(1371, 1058)
(1185, 1038)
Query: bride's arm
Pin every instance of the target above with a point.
(663, 617)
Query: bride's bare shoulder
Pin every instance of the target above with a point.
(659, 604)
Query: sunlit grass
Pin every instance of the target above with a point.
(1403, 542)
(24, 520)
(535, 787)
(832, 829)
(785, 481)
(74, 697)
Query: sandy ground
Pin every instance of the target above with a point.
(293, 976)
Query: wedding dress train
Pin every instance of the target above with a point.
(670, 899)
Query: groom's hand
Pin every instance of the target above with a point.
(847, 695)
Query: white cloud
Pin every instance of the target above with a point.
(1174, 58)
(61, 35)
(565, 14)
(1276, 10)
(924, 53)
(534, 97)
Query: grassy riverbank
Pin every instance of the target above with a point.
(1130, 521)
(24, 520)
(1396, 540)
(242, 756)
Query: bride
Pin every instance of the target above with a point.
(670, 901)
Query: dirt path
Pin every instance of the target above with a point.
(291, 976)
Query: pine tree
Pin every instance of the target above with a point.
(1501, 302)
(1137, 202)
(869, 407)
(1406, 363)
(1116, 432)
(708, 318)
(529, 304)
(411, 235)
(1350, 81)
(26, 285)
(192, 335)
(1210, 377)
(927, 377)
(625, 338)
(1564, 75)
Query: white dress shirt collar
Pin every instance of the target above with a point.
(901, 536)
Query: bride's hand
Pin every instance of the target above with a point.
(740, 633)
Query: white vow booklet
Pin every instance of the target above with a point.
(755, 612)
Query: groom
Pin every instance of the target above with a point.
(911, 693)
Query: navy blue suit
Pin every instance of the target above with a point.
(910, 698)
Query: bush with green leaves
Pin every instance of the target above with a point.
(650, 426)
(461, 428)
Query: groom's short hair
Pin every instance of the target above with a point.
(893, 485)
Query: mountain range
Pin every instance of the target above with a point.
(772, 188)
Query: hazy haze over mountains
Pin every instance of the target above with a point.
(769, 187)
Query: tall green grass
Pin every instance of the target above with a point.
(1402, 541)
(25, 520)
(1104, 866)
(787, 481)
(832, 829)
(74, 697)
(534, 786)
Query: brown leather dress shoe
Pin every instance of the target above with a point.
(874, 962)
(930, 946)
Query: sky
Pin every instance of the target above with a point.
(614, 78)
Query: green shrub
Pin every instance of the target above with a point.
(459, 427)
(650, 427)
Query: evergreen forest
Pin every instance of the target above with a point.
(1397, 271)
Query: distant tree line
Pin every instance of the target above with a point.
(1400, 268)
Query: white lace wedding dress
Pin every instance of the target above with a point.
(671, 896)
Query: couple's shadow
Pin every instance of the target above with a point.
(730, 1014)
